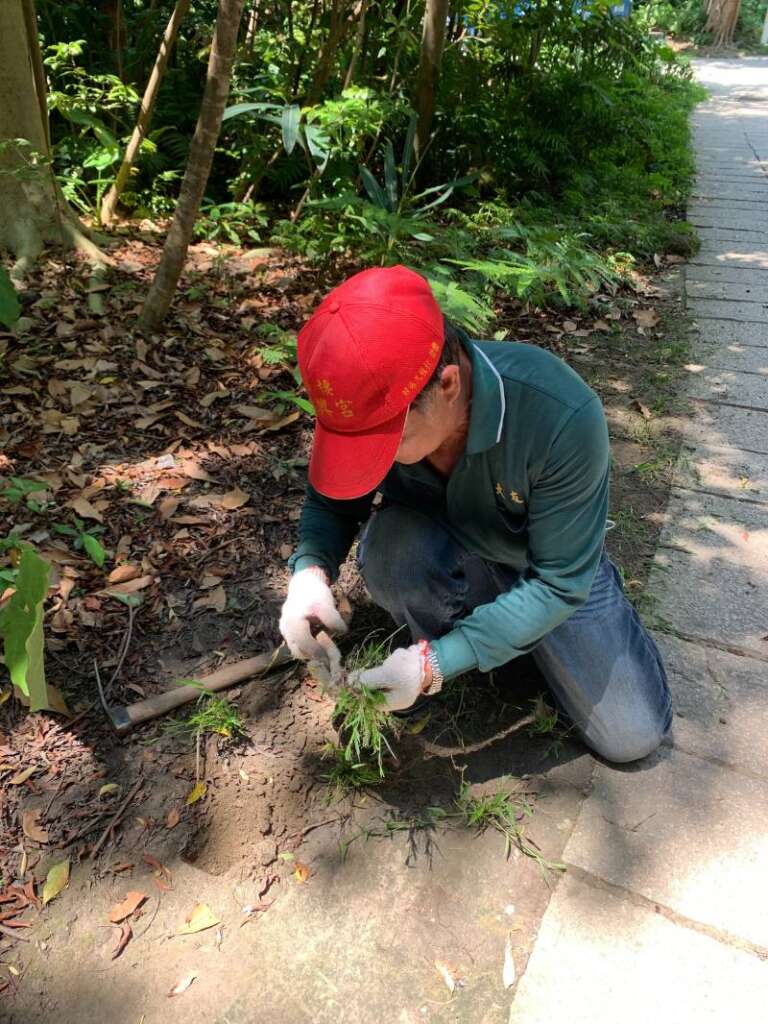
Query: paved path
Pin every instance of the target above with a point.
(663, 914)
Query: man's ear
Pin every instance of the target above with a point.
(450, 382)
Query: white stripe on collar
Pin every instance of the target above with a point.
(501, 390)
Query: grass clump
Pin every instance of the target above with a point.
(212, 714)
(500, 812)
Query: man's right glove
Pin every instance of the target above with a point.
(309, 600)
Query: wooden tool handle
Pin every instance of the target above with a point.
(124, 719)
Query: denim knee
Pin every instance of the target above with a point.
(631, 746)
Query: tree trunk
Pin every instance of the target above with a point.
(722, 20)
(198, 165)
(109, 205)
(340, 22)
(29, 211)
(432, 39)
(358, 47)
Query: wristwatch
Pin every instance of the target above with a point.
(437, 676)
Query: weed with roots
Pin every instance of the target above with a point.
(346, 775)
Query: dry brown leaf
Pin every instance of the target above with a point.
(32, 827)
(196, 793)
(173, 818)
(56, 880)
(195, 424)
(79, 393)
(286, 550)
(216, 599)
(254, 412)
(644, 411)
(130, 586)
(85, 509)
(290, 418)
(230, 500)
(211, 397)
(182, 985)
(569, 326)
(23, 775)
(209, 580)
(301, 872)
(126, 907)
(646, 317)
(601, 325)
(123, 573)
(167, 507)
(193, 469)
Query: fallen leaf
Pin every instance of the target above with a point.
(646, 317)
(120, 911)
(126, 934)
(570, 326)
(85, 509)
(123, 573)
(271, 427)
(644, 411)
(209, 580)
(211, 397)
(254, 412)
(108, 789)
(32, 828)
(446, 975)
(183, 985)
(301, 872)
(195, 793)
(129, 587)
(508, 974)
(286, 550)
(230, 500)
(188, 421)
(216, 599)
(173, 818)
(601, 325)
(202, 917)
(23, 775)
(56, 880)
(193, 469)
(167, 507)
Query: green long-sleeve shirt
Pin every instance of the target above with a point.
(530, 492)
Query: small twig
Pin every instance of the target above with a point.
(102, 698)
(59, 788)
(123, 650)
(310, 828)
(78, 717)
(115, 820)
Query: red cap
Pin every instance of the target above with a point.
(366, 352)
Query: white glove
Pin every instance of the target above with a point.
(309, 598)
(401, 677)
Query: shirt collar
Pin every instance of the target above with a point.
(488, 400)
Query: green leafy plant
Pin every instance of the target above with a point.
(21, 623)
(20, 488)
(85, 539)
(345, 774)
(235, 222)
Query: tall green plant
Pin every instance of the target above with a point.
(21, 624)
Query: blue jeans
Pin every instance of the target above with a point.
(602, 666)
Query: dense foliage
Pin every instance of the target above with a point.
(559, 148)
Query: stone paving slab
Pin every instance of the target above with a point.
(723, 207)
(720, 701)
(710, 573)
(600, 959)
(731, 356)
(685, 833)
(725, 236)
(729, 472)
(733, 192)
(734, 337)
(728, 386)
(732, 254)
(722, 309)
(727, 426)
(755, 277)
(727, 290)
(735, 220)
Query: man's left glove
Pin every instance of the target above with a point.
(401, 677)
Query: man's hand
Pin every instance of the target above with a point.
(402, 677)
(309, 600)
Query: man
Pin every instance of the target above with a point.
(492, 460)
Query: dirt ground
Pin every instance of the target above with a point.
(164, 446)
